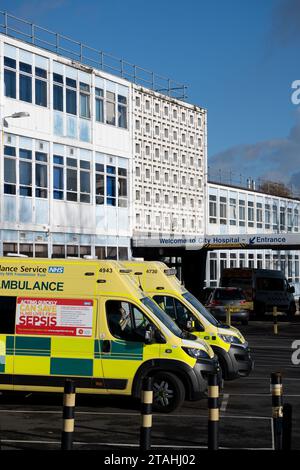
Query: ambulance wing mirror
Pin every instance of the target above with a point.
(153, 335)
(291, 289)
(190, 324)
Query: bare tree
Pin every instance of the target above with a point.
(274, 188)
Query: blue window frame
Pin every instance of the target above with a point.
(25, 82)
(41, 92)
(58, 183)
(58, 102)
(10, 89)
(110, 190)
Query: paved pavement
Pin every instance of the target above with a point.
(33, 421)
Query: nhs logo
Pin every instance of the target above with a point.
(56, 269)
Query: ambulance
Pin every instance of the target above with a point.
(161, 284)
(87, 320)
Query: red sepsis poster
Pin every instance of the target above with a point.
(54, 317)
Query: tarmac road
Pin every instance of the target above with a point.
(34, 421)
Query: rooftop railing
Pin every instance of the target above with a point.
(31, 33)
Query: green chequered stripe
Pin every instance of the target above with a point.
(2, 363)
(121, 350)
(28, 346)
(78, 367)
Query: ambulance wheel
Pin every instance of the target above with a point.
(168, 392)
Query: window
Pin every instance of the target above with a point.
(126, 321)
(296, 220)
(58, 251)
(58, 82)
(26, 249)
(174, 309)
(275, 217)
(10, 78)
(223, 210)
(84, 251)
(9, 170)
(250, 214)
(259, 215)
(212, 209)
(84, 97)
(58, 177)
(85, 183)
(40, 87)
(41, 251)
(71, 179)
(122, 187)
(289, 219)
(100, 189)
(267, 216)
(99, 104)
(71, 96)
(41, 175)
(110, 108)
(122, 111)
(123, 253)
(242, 213)
(111, 186)
(25, 172)
(213, 276)
(232, 211)
(25, 82)
(7, 316)
(282, 218)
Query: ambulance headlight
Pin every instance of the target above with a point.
(196, 353)
(230, 339)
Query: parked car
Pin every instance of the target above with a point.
(223, 297)
(205, 294)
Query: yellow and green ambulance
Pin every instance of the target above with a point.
(161, 284)
(88, 320)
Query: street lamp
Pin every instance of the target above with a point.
(14, 116)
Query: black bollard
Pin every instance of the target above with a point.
(277, 409)
(68, 416)
(146, 411)
(213, 412)
(287, 427)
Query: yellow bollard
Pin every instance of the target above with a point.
(275, 324)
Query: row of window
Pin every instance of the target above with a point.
(165, 155)
(166, 133)
(287, 263)
(166, 222)
(41, 250)
(254, 215)
(27, 83)
(167, 111)
(166, 199)
(159, 177)
(28, 174)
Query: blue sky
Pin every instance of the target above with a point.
(238, 58)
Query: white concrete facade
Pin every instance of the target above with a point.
(66, 168)
(169, 166)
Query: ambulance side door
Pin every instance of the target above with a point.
(122, 345)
